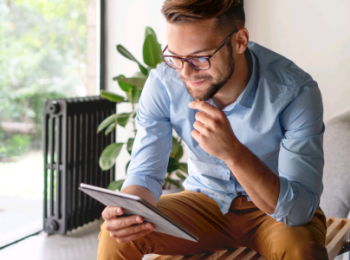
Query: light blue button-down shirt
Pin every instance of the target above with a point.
(278, 117)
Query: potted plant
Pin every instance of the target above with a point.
(133, 87)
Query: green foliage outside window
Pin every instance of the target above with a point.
(42, 56)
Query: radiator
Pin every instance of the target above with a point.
(71, 152)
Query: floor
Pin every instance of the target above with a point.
(19, 216)
(79, 244)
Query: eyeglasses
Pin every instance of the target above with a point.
(197, 63)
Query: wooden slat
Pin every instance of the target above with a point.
(197, 257)
(216, 255)
(337, 243)
(232, 254)
(338, 231)
(333, 229)
(173, 257)
(250, 255)
(329, 221)
(157, 257)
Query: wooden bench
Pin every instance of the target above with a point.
(338, 231)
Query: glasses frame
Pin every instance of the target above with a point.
(195, 57)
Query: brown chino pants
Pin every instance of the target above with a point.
(244, 225)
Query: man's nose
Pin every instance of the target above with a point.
(187, 71)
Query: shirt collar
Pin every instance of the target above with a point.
(246, 98)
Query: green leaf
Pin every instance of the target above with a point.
(175, 147)
(124, 86)
(137, 82)
(133, 114)
(173, 165)
(134, 94)
(139, 75)
(173, 182)
(149, 31)
(108, 121)
(129, 56)
(109, 156)
(116, 185)
(151, 51)
(129, 145)
(127, 167)
(179, 153)
(111, 96)
(183, 167)
(181, 176)
(124, 52)
(110, 128)
(123, 118)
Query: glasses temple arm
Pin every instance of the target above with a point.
(228, 38)
(166, 47)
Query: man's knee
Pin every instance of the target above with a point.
(298, 248)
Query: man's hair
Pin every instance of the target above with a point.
(229, 13)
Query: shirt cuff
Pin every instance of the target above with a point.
(296, 204)
(151, 184)
(286, 200)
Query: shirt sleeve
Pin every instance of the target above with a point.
(301, 159)
(152, 144)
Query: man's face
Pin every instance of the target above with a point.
(198, 39)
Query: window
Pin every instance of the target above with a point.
(43, 55)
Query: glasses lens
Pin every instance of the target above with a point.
(199, 63)
(173, 62)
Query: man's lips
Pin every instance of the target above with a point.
(196, 83)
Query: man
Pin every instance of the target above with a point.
(252, 123)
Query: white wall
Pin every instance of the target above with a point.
(315, 35)
(126, 23)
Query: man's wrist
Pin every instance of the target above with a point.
(236, 158)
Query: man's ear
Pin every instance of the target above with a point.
(242, 39)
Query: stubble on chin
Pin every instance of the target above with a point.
(203, 94)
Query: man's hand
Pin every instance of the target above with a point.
(213, 131)
(125, 229)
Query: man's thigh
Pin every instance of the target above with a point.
(195, 211)
(202, 216)
(275, 240)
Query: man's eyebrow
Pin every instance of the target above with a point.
(193, 53)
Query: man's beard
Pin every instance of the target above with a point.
(216, 84)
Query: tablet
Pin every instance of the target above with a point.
(134, 205)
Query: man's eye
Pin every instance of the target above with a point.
(201, 59)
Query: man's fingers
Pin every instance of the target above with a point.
(134, 236)
(129, 231)
(203, 106)
(122, 222)
(112, 212)
(203, 118)
(196, 135)
(200, 128)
